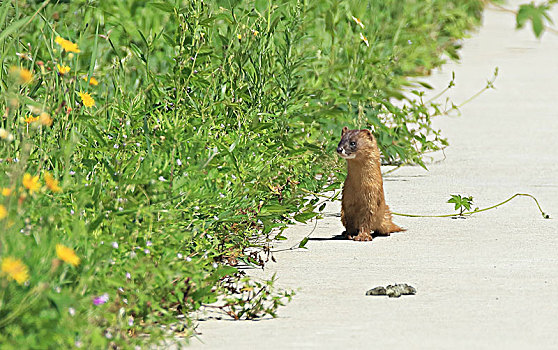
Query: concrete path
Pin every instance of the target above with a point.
(487, 282)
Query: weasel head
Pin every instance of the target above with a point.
(357, 144)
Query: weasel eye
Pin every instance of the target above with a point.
(353, 144)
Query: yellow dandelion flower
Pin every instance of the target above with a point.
(22, 75)
(15, 269)
(67, 254)
(86, 98)
(45, 119)
(31, 182)
(67, 45)
(92, 81)
(62, 69)
(3, 212)
(52, 183)
(239, 36)
(6, 191)
(30, 119)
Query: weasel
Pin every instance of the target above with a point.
(364, 212)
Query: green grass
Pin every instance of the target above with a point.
(212, 121)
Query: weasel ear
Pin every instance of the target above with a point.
(345, 129)
(368, 133)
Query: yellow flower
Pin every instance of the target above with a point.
(86, 98)
(239, 36)
(6, 191)
(15, 270)
(52, 183)
(3, 212)
(22, 75)
(67, 254)
(62, 69)
(45, 119)
(31, 182)
(30, 119)
(92, 81)
(67, 45)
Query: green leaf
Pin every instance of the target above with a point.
(163, 6)
(223, 271)
(261, 5)
(522, 15)
(329, 22)
(426, 85)
(303, 217)
(14, 26)
(302, 243)
(538, 25)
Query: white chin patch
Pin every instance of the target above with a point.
(346, 156)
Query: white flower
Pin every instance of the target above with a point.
(128, 275)
(357, 21)
(179, 256)
(179, 162)
(146, 251)
(161, 178)
(115, 245)
(215, 265)
(188, 259)
(363, 38)
(148, 243)
(71, 311)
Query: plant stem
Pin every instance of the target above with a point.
(544, 215)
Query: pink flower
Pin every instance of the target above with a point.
(100, 300)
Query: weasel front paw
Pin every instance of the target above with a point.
(362, 237)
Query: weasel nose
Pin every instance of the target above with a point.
(339, 149)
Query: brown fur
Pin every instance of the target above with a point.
(364, 212)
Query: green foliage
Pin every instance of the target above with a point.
(211, 123)
(537, 14)
(461, 203)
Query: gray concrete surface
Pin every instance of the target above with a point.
(487, 282)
